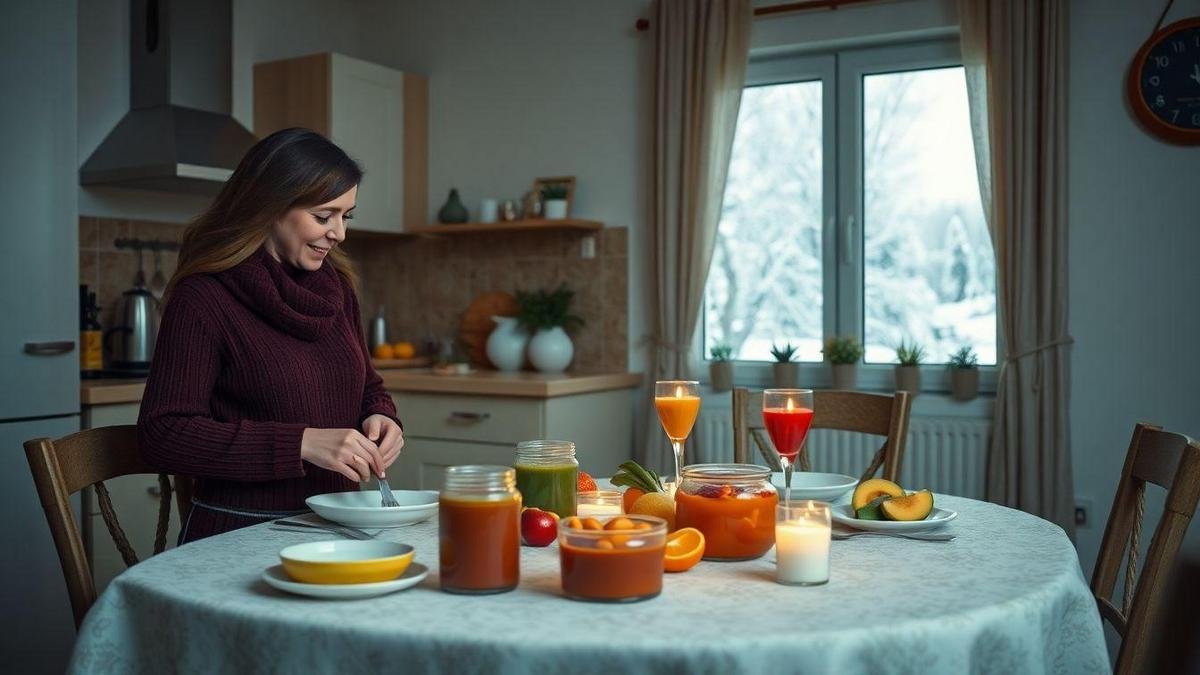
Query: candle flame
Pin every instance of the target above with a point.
(678, 391)
(790, 405)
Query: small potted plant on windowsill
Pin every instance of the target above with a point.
(787, 371)
(546, 315)
(843, 354)
(554, 201)
(720, 371)
(964, 374)
(908, 373)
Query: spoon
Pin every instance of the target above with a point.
(158, 282)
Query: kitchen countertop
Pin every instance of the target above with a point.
(476, 383)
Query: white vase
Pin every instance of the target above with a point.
(554, 209)
(550, 350)
(506, 344)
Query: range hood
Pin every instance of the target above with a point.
(178, 135)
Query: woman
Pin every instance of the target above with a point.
(261, 386)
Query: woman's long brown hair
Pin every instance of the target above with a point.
(292, 168)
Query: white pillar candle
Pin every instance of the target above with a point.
(802, 552)
(598, 510)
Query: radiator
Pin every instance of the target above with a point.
(944, 454)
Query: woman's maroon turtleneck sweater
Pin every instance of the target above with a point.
(246, 360)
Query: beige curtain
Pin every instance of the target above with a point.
(700, 54)
(1015, 53)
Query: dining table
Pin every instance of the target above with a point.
(1006, 595)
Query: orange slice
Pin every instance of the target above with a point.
(684, 549)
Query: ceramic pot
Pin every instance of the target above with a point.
(845, 375)
(453, 210)
(787, 375)
(964, 383)
(550, 350)
(721, 375)
(506, 344)
(908, 378)
(554, 209)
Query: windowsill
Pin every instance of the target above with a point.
(925, 404)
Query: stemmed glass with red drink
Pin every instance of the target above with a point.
(787, 414)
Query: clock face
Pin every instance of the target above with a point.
(1165, 82)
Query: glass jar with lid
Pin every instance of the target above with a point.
(479, 528)
(732, 504)
(548, 475)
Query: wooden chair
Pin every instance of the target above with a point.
(1171, 461)
(857, 411)
(65, 466)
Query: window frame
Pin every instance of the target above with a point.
(843, 245)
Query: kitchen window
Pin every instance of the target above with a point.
(852, 208)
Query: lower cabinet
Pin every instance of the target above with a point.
(443, 430)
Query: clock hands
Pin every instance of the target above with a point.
(1195, 74)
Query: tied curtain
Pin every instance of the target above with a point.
(700, 53)
(1015, 54)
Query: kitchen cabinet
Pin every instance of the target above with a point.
(378, 115)
(135, 499)
(443, 430)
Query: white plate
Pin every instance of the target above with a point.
(276, 577)
(843, 514)
(361, 508)
(825, 487)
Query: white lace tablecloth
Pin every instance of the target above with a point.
(1007, 596)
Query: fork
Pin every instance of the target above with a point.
(919, 537)
(385, 491)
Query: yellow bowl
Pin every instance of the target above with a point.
(346, 561)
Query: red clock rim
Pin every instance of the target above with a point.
(1141, 110)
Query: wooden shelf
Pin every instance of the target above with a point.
(535, 224)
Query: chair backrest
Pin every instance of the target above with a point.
(1171, 461)
(857, 411)
(65, 466)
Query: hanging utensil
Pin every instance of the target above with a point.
(158, 282)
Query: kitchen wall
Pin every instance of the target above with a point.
(110, 271)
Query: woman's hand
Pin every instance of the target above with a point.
(345, 451)
(387, 435)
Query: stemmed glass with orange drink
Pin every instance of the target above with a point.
(787, 414)
(678, 404)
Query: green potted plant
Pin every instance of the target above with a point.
(787, 371)
(554, 201)
(964, 374)
(908, 372)
(546, 315)
(720, 369)
(843, 354)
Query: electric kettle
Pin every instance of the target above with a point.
(132, 341)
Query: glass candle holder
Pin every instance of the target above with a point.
(599, 503)
(802, 536)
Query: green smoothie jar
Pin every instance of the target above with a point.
(548, 475)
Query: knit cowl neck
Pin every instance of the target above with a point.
(295, 301)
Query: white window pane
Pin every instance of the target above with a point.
(929, 272)
(764, 284)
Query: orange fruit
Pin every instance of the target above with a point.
(619, 523)
(384, 351)
(684, 549)
(656, 504)
(631, 495)
(404, 350)
(585, 483)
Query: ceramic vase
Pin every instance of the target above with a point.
(550, 350)
(787, 375)
(964, 383)
(453, 210)
(721, 375)
(506, 344)
(845, 375)
(908, 378)
(554, 209)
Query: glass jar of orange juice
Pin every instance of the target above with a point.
(732, 504)
(479, 528)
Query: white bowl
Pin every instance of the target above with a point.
(361, 508)
(842, 513)
(824, 487)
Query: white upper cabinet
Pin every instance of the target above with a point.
(378, 115)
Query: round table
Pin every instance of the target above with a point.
(1006, 596)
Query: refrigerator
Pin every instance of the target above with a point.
(39, 277)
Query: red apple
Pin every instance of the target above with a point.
(538, 527)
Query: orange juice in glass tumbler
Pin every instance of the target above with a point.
(678, 404)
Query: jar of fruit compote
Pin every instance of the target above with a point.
(732, 504)
(548, 475)
(479, 527)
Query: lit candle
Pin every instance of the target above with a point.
(599, 503)
(802, 536)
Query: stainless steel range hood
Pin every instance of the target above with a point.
(178, 134)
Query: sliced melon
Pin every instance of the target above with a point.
(872, 489)
(916, 506)
(872, 511)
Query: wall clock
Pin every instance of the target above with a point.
(1163, 85)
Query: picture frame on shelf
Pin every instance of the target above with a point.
(558, 195)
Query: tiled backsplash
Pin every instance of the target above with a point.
(424, 283)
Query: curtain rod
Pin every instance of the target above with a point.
(784, 8)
